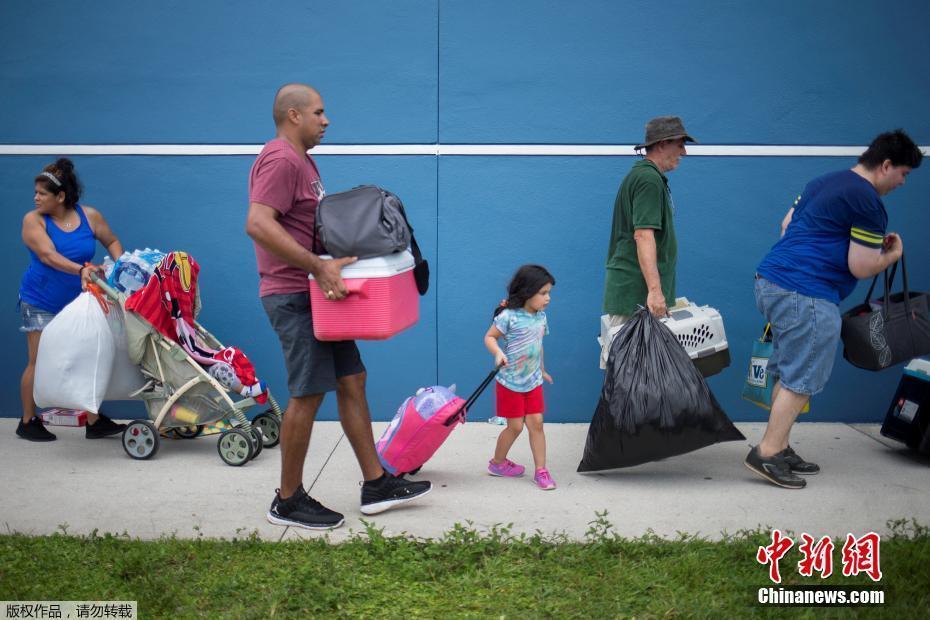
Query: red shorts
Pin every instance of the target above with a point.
(512, 404)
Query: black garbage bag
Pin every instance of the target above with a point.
(654, 403)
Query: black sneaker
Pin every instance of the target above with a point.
(389, 491)
(34, 430)
(799, 465)
(103, 427)
(774, 469)
(301, 510)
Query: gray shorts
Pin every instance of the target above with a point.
(313, 366)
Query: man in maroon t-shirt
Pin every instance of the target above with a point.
(284, 191)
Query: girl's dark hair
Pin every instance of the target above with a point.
(63, 171)
(528, 281)
(894, 145)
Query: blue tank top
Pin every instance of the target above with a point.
(48, 288)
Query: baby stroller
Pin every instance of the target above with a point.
(182, 397)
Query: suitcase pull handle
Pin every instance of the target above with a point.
(463, 410)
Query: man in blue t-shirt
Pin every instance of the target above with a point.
(834, 235)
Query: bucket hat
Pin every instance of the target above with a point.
(664, 128)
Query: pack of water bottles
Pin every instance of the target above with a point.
(132, 270)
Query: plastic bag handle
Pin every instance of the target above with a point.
(94, 290)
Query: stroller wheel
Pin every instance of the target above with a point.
(270, 426)
(189, 432)
(258, 441)
(140, 439)
(235, 447)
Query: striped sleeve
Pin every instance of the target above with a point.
(868, 219)
(865, 237)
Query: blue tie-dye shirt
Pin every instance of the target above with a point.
(522, 344)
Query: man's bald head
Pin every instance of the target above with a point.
(297, 96)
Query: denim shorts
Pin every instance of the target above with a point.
(313, 366)
(34, 319)
(805, 334)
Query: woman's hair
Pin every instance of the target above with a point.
(528, 281)
(60, 177)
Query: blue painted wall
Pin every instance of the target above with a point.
(475, 71)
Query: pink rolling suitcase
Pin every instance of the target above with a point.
(421, 425)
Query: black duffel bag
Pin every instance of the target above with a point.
(894, 329)
(365, 222)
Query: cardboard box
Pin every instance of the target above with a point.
(63, 417)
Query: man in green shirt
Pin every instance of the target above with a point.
(643, 250)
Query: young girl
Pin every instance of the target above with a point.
(521, 323)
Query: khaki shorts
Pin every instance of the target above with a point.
(615, 322)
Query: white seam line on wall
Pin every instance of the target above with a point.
(581, 150)
(439, 100)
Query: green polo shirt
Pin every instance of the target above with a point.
(644, 201)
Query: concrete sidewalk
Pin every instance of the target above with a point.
(187, 491)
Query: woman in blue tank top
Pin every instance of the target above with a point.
(61, 237)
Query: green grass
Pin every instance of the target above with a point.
(462, 575)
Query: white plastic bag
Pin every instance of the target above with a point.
(126, 377)
(75, 357)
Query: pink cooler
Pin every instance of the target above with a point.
(382, 300)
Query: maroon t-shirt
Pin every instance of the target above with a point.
(289, 183)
